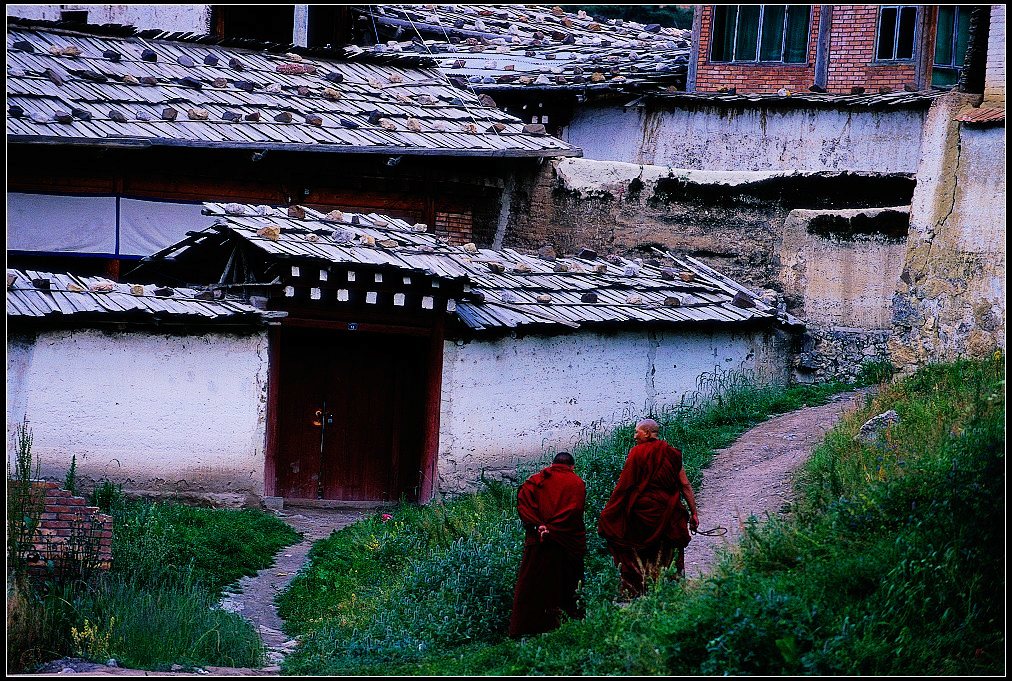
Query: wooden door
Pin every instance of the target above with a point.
(351, 415)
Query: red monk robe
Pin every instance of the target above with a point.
(550, 504)
(644, 521)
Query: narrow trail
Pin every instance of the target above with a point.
(254, 596)
(753, 476)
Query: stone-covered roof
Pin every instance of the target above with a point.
(869, 100)
(489, 48)
(505, 289)
(49, 295)
(158, 89)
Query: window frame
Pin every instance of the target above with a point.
(951, 67)
(759, 37)
(896, 35)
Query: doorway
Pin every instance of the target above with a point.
(351, 412)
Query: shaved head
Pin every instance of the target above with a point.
(564, 458)
(650, 426)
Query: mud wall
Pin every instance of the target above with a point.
(751, 137)
(184, 18)
(179, 414)
(509, 400)
(950, 300)
(736, 223)
(839, 268)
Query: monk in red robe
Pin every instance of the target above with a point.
(644, 522)
(550, 504)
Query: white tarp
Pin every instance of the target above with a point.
(66, 224)
(146, 227)
(52, 223)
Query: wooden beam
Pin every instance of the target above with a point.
(433, 402)
(273, 392)
(355, 327)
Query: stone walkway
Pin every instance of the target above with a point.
(254, 597)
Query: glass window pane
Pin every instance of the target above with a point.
(943, 35)
(886, 33)
(796, 49)
(724, 17)
(771, 38)
(944, 77)
(962, 34)
(905, 42)
(748, 33)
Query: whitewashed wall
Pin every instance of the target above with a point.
(512, 399)
(173, 413)
(725, 138)
(188, 18)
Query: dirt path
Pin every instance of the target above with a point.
(254, 599)
(752, 477)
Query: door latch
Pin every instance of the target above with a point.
(319, 416)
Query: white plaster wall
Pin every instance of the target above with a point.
(980, 189)
(188, 18)
(712, 138)
(513, 399)
(179, 413)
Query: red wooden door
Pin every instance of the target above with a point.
(351, 410)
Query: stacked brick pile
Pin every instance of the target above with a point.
(69, 531)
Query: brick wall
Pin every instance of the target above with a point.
(852, 53)
(749, 78)
(69, 529)
(994, 79)
(456, 228)
(851, 58)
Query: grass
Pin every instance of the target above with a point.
(158, 605)
(431, 588)
(892, 563)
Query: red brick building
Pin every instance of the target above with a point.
(763, 48)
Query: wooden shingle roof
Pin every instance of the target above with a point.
(74, 87)
(490, 48)
(506, 289)
(49, 295)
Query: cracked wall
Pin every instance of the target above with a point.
(735, 221)
(751, 136)
(841, 266)
(950, 298)
(181, 415)
(510, 400)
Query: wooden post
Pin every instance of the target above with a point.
(273, 391)
(433, 397)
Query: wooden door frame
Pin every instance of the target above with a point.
(433, 394)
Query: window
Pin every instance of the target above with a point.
(951, 39)
(896, 28)
(760, 33)
(74, 16)
(325, 24)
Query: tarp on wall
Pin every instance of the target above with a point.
(146, 227)
(51, 223)
(54, 223)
